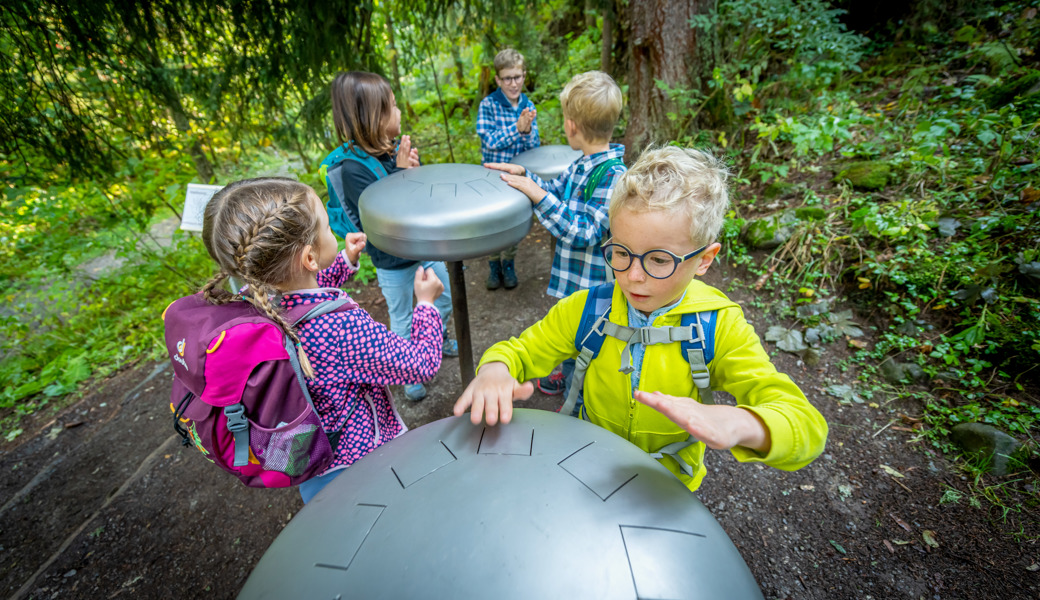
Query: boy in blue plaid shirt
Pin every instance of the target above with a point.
(573, 207)
(507, 125)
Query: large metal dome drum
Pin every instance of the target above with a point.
(545, 507)
(444, 212)
(547, 162)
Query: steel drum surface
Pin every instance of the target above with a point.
(547, 161)
(444, 212)
(547, 506)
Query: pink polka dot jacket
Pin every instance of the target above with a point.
(355, 358)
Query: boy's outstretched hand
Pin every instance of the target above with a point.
(720, 426)
(355, 243)
(491, 394)
(515, 176)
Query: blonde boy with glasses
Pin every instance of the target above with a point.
(507, 125)
(665, 214)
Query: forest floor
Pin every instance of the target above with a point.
(104, 502)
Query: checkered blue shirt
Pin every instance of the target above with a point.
(496, 126)
(579, 227)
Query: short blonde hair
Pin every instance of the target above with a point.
(508, 59)
(593, 101)
(681, 180)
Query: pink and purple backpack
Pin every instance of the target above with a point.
(239, 395)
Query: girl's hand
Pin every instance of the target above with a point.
(507, 167)
(491, 395)
(407, 157)
(719, 426)
(355, 244)
(526, 185)
(427, 286)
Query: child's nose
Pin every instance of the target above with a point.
(636, 272)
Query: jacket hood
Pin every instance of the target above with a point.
(500, 97)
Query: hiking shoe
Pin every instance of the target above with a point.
(415, 392)
(552, 385)
(450, 348)
(494, 280)
(508, 275)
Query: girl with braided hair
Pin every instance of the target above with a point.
(274, 235)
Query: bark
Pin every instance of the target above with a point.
(607, 43)
(663, 47)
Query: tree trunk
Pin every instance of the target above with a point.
(663, 47)
(607, 44)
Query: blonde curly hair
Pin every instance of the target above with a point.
(681, 180)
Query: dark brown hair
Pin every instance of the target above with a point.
(361, 107)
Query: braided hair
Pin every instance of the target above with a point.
(255, 230)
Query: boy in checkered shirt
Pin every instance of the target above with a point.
(573, 207)
(507, 125)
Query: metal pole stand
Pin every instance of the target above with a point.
(461, 310)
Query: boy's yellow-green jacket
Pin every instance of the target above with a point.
(740, 367)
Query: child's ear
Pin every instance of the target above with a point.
(707, 257)
(309, 258)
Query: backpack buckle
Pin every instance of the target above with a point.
(236, 418)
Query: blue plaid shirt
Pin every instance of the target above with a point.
(580, 227)
(496, 125)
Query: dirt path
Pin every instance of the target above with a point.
(104, 502)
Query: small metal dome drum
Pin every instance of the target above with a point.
(547, 506)
(547, 162)
(444, 212)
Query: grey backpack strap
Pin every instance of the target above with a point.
(581, 365)
(582, 361)
(321, 308)
(699, 372)
(239, 427)
(698, 366)
(673, 450)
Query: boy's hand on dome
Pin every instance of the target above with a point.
(507, 167)
(719, 426)
(526, 185)
(491, 394)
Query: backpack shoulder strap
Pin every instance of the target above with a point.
(589, 338)
(342, 220)
(352, 152)
(597, 175)
(700, 349)
(306, 312)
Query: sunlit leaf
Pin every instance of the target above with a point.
(845, 393)
(929, 538)
(948, 226)
(844, 324)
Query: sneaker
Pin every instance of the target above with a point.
(415, 392)
(552, 385)
(450, 348)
